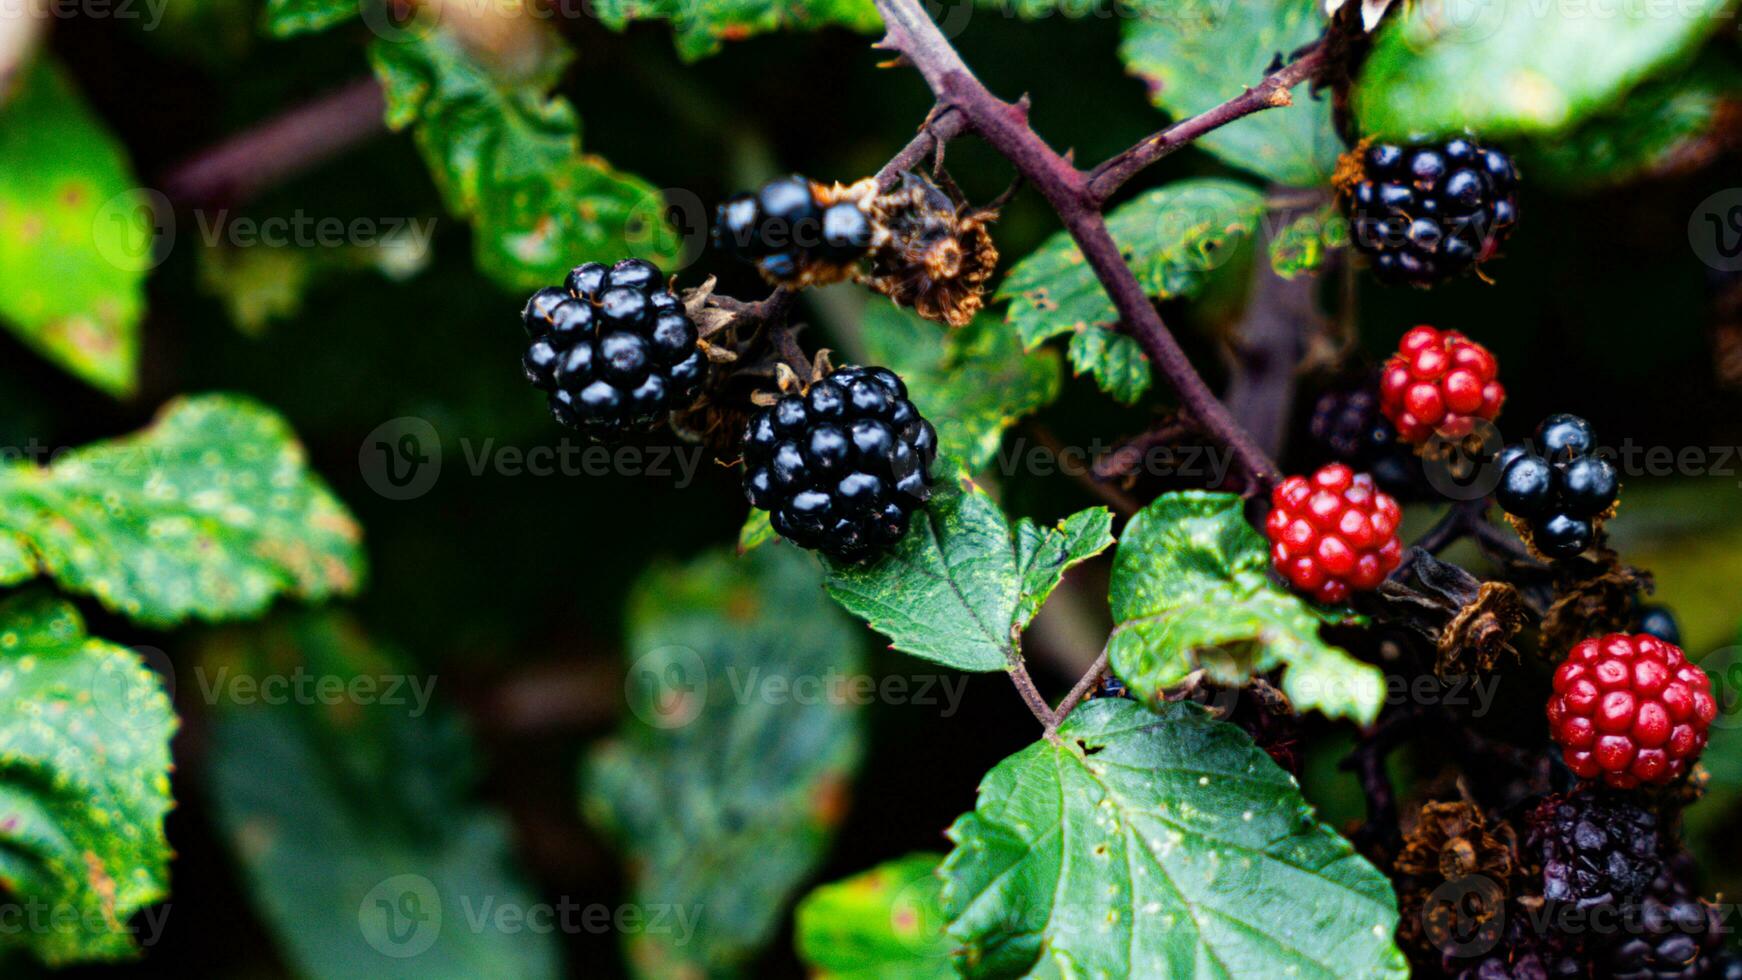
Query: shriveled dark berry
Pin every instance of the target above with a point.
(1596, 848)
(613, 348)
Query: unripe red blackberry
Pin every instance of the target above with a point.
(1630, 710)
(1439, 382)
(1333, 534)
(1428, 212)
(841, 468)
(613, 349)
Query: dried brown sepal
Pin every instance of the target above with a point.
(1481, 632)
(1350, 170)
(1459, 865)
(1597, 597)
(934, 254)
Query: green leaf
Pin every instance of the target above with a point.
(1191, 589)
(972, 382)
(1158, 844)
(507, 156)
(1197, 54)
(725, 788)
(957, 590)
(77, 233)
(883, 924)
(756, 532)
(1664, 126)
(288, 18)
(701, 28)
(84, 785)
(347, 800)
(1174, 238)
(1301, 247)
(209, 513)
(1510, 69)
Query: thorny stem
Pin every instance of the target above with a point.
(1272, 92)
(1073, 196)
(1005, 126)
(235, 170)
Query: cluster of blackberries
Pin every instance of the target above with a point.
(613, 348)
(1558, 486)
(1425, 213)
(842, 467)
(1596, 847)
(796, 231)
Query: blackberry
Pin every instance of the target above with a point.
(1351, 428)
(1521, 954)
(798, 232)
(1427, 212)
(613, 349)
(1657, 620)
(1557, 488)
(841, 468)
(1110, 687)
(1597, 848)
(1669, 935)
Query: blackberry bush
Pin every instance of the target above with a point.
(841, 467)
(1424, 213)
(613, 348)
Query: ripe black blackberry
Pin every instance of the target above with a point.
(799, 232)
(1350, 427)
(1657, 620)
(842, 467)
(613, 348)
(1557, 488)
(1669, 935)
(1427, 212)
(1597, 848)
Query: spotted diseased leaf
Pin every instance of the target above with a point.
(76, 233)
(84, 785)
(288, 18)
(506, 155)
(883, 924)
(972, 382)
(1519, 69)
(959, 589)
(701, 28)
(208, 514)
(1191, 590)
(725, 788)
(342, 811)
(1158, 844)
(1197, 54)
(1174, 238)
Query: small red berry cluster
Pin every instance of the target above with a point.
(1333, 533)
(1630, 710)
(1439, 381)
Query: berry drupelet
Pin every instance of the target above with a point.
(798, 232)
(842, 467)
(1439, 382)
(1427, 212)
(1333, 533)
(613, 348)
(1630, 710)
(1557, 487)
